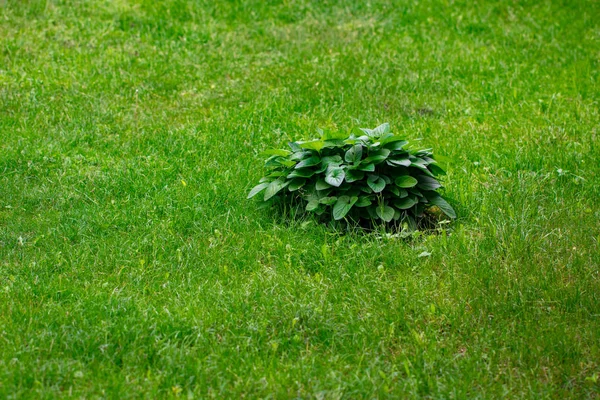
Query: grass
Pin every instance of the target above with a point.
(131, 265)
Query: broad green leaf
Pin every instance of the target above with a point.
(403, 162)
(274, 187)
(312, 144)
(394, 143)
(276, 161)
(353, 175)
(335, 176)
(386, 137)
(367, 131)
(427, 183)
(416, 192)
(406, 181)
(327, 134)
(276, 152)
(379, 131)
(403, 193)
(321, 184)
(301, 173)
(312, 205)
(329, 160)
(376, 183)
(342, 206)
(333, 143)
(415, 161)
(272, 161)
(424, 152)
(257, 189)
(435, 199)
(363, 201)
(421, 168)
(309, 162)
(405, 203)
(294, 146)
(354, 154)
(367, 167)
(394, 189)
(332, 160)
(376, 156)
(366, 189)
(328, 200)
(296, 184)
(384, 212)
(436, 169)
(300, 155)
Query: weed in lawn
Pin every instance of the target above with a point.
(117, 280)
(370, 177)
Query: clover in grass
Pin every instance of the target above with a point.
(370, 175)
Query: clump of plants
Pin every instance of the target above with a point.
(368, 177)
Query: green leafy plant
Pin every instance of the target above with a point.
(368, 177)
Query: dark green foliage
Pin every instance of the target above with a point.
(365, 176)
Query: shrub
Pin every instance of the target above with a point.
(370, 176)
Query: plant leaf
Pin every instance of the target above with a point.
(376, 156)
(332, 143)
(328, 200)
(257, 189)
(405, 203)
(332, 160)
(363, 201)
(312, 205)
(384, 212)
(394, 190)
(335, 176)
(294, 146)
(403, 162)
(367, 167)
(309, 162)
(316, 144)
(296, 184)
(327, 134)
(321, 184)
(276, 152)
(394, 143)
(274, 187)
(376, 183)
(380, 130)
(342, 206)
(436, 169)
(420, 167)
(301, 173)
(427, 183)
(300, 155)
(354, 154)
(353, 175)
(435, 199)
(406, 181)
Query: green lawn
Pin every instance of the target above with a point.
(132, 265)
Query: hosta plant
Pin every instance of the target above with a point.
(370, 176)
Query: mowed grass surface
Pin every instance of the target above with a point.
(131, 264)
